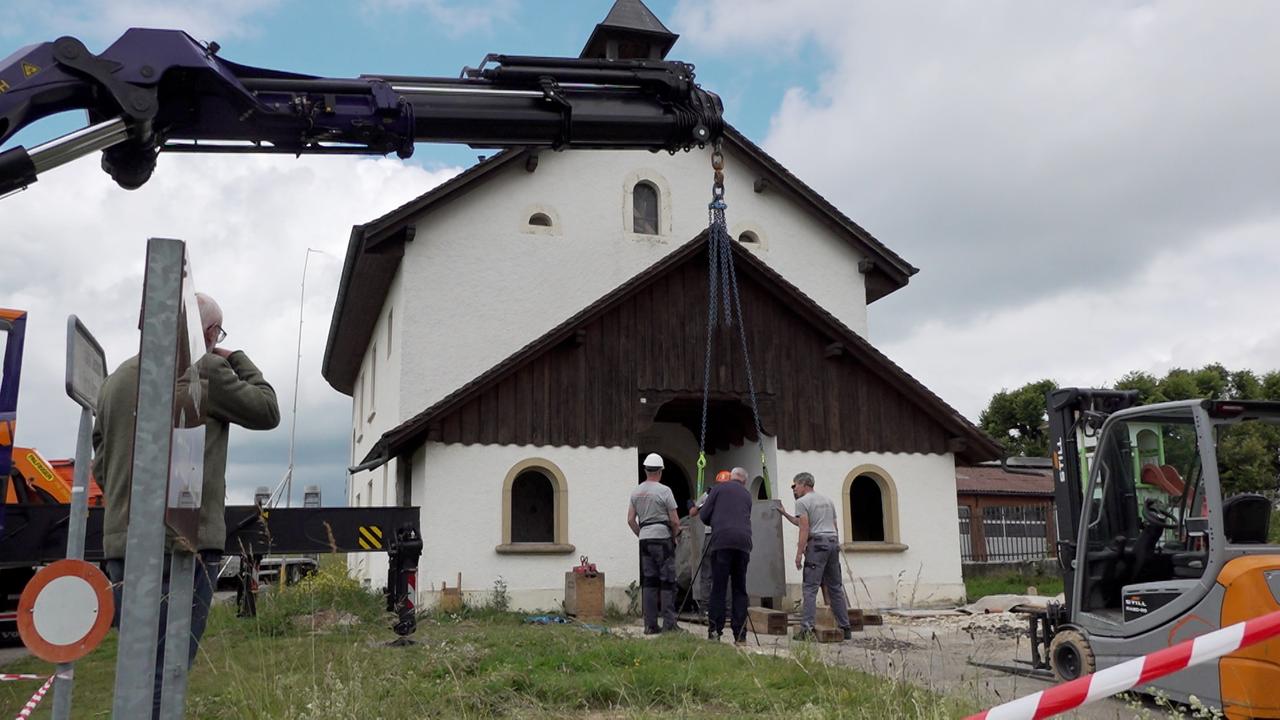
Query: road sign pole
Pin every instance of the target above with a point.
(177, 639)
(86, 370)
(144, 548)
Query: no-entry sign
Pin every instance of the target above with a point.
(65, 611)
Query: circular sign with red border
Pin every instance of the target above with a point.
(65, 611)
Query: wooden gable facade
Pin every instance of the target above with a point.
(636, 356)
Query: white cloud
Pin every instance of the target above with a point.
(1039, 161)
(457, 18)
(105, 20)
(75, 243)
(1212, 302)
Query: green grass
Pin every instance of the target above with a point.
(1011, 584)
(481, 664)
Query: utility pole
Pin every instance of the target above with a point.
(297, 368)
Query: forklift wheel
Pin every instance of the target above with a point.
(1070, 655)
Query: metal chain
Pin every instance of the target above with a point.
(722, 290)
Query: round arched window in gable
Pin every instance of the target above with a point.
(866, 507)
(749, 238)
(645, 208)
(539, 219)
(533, 508)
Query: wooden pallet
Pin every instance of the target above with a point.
(766, 621)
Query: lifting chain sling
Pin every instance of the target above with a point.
(722, 294)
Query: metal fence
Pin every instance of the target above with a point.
(1005, 533)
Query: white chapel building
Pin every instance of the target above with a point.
(516, 340)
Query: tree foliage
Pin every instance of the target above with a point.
(1016, 418)
(1248, 454)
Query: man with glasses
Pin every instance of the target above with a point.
(236, 393)
(818, 555)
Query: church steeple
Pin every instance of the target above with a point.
(630, 31)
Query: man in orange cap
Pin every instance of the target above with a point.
(703, 595)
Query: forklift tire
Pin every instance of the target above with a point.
(1071, 655)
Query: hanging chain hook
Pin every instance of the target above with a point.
(717, 185)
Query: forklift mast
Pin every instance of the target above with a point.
(1075, 417)
(158, 91)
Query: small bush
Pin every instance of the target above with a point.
(331, 591)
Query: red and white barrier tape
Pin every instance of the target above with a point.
(31, 705)
(1138, 671)
(10, 677)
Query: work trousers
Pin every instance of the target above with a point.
(658, 583)
(704, 580)
(822, 569)
(206, 574)
(729, 571)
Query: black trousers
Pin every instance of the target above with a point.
(729, 572)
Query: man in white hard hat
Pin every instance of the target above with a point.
(651, 514)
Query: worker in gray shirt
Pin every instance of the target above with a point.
(818, 555)
(651, 514)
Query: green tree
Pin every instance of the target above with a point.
(1271, 385)
(1145, 383)
(1016, 418)
(1245, 385)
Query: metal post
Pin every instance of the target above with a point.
(63, 685)
(144, 549)
(297, 369)
(177, 638)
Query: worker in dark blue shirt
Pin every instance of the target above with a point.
(728, 511)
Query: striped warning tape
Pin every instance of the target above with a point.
(11, 677)
(1138, 671)
(31, 705)
(370, 537)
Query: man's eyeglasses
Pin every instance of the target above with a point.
(222, 334)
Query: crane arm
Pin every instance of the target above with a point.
(156, 91)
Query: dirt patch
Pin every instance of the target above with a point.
(325, 620)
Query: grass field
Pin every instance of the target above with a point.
(1011, 584)
(481, 664)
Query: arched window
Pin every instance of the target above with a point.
(871, 511)
(540, 220)
(645, 208)
(535, 502)
(749, 238)
(533, 511)
(866, 510)
(759, 489)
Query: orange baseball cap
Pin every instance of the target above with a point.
(724, 476)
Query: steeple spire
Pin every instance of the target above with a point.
(630, 31)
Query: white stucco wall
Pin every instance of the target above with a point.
(459, 489)
(928, 572)
(477, 253)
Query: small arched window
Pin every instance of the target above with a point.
(533, 508)
(759, 489)
(540, 220)
(749, 238)
(645, 208)
(866, 508)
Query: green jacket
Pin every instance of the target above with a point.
(236, 393)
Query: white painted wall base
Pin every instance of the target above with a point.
(460, 491)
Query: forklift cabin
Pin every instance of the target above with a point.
(1159, 556)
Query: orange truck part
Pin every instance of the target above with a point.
(1250, 678)
(44, 481)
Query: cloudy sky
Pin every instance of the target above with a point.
(1086, 189)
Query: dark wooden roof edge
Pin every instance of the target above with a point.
(410, 433)
(379, 229)
(892, 264)
(887, 270)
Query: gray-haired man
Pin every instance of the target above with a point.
(818, 555)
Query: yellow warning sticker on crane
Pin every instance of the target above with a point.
(28, 69)
(370, 537)
(4, 86)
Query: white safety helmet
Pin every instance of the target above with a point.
(653, 461)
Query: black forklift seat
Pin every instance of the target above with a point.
(1246, 518)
